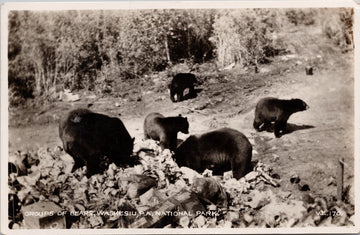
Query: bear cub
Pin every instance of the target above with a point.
(221, 150)
(271, 109)
(179, 83)
(88, 137)
(165, 129)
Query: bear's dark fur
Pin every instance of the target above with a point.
(165, 129)
(88, 137)
(220, 150)
(179, 83)
(276, 110)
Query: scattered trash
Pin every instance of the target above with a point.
(228, 175)
(189, 174)
(191, 206)
(184, 221)
(232, 216)
(210, 189)
(276, 157)
(157, 193)
(251, 176)
(295, 179)
(304, 187)
(257, 199)
(248, 218)
(309, 70)
(152, 197)
(43, 215)
(332, 181)
(230, 66)
(275, 176)
(68, 96)
(277, 213)
(287, 57)
(139, 185)
(18, 163)
(91, 97)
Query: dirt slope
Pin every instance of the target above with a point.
(320, 136)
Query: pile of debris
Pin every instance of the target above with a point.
(43, 193)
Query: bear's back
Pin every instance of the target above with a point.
(219, 149)
(225, 139)
(95, 131)
(183, 80)
(273, 104)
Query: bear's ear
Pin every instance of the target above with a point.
(306, 105)
(180, 115)
(133, 139)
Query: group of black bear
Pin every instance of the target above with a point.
(88, 137)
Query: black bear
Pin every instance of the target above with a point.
(220, 151)
(179, 83)
(165, 129)
(271, 109)
(89, 136)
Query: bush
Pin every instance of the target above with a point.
(242, 36)
(301, 16)
(339, 26)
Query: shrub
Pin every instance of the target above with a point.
(241, 36)
(339, 26)
(301, 16)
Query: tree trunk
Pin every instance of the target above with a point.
(167, 50)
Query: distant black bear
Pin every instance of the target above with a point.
(88, 137)
(180, 82)
(165, 129)
(276, 110)
(220, 151)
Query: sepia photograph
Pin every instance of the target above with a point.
(179, 117)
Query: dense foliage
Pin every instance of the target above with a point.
(93, 50)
